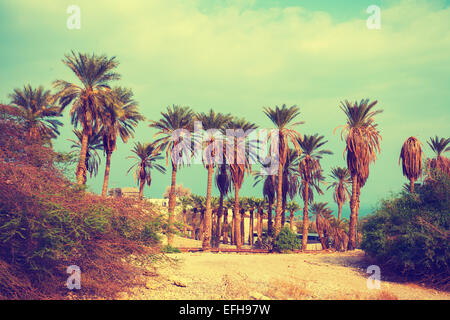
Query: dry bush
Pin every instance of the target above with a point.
(47, 223)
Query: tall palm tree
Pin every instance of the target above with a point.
(37, 109)
(238, 159)
(362, 144)
(440, 162)
(411, 157)
(268, 191)
(292, 207)
(260, 204)
(283, 119)
(223, 183)
(341, 185)
(146, 155)
(119, 119)
(88, 99)
(95, 143)
(212, 143)
(290, 180)
(178, 148)
(310, 172)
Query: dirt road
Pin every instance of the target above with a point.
(201, 276)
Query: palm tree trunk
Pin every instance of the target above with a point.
(233, 219)
(172, 200)
(259, 224)
(237, 218)
(242, 226)
(141, 189)
(194, 227)
(250, 236)
(352, 224)
(305, 218)
(411, 185)
(225, 226)
(340, 210)
(81, 167)
(184, 223)
(202, 225)
(269, 221)
(219, 216)
(291, 220)
(279, 207)
(106, 178)
(208, 215)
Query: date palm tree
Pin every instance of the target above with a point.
(362, 144)
(119, 120)
(310, 172)
(283, 119)
(223, 183)
(239, 163)
(292, 207)
(322, 216)
(186, 204)
(341, 185)
(439, 146)
(268, 191)
(173, 129)
(212, 144)
(290, 180)
(37, 109)
(146, 156)
(411, 158)
(95, 143)
(88, 99)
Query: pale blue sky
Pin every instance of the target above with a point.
(238, 56)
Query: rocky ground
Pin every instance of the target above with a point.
(204, 276)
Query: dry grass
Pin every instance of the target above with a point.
(284, 290)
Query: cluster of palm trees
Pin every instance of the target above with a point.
(102, 113)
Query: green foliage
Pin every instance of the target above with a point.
(287, 241)
(410, 232)
(169, 249)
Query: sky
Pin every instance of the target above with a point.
(239, 56)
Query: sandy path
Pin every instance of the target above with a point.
(274, 276)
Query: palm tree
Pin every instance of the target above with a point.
(178, 148)
(145, 156)
(411, 157)
(120, 119)
(310, 172)
(290, 180)
(216, 122)
(362, 144)
(186, 203)
(439, 146)
(229, 204)
(323, 216)
(268, 192)
(239, 164)
(282, 118)
(341, 184)
(37, 109)
(259, 205)
(292, 207)
(95, 73)
(92, 159)
(223, 183)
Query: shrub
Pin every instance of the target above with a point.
(47, 224)
(287, 241)
(410, 233)
(169, 249)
